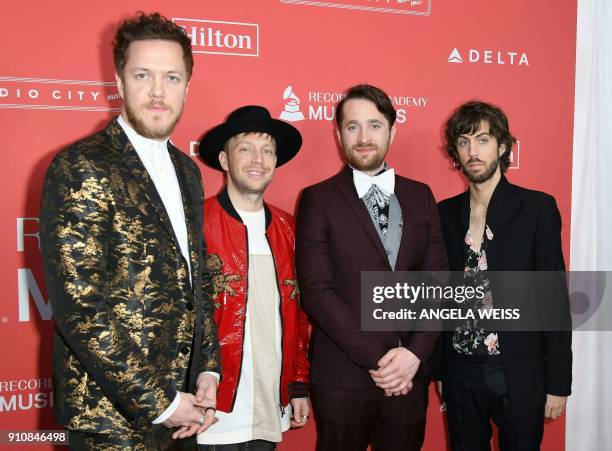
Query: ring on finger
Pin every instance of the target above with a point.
(201, 421)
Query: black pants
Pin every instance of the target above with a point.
(350, 420)
(475, 392)
(252, 445)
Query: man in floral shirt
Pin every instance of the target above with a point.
(497, 226)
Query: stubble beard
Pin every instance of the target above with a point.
(370, 164)
(484, 176)
(145, 130)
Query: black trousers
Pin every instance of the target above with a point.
(475, 393)
(350, 420)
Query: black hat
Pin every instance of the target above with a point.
(251, 118)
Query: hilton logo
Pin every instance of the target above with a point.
(221, 38)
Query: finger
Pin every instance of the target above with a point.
(384, 361)
(393, 385)
(206, 425)
(176, 434)
(387, 378)
(206, 401)
(209, 419)
(189, 431)
(199, 395)
(386, 370)
(548, 411)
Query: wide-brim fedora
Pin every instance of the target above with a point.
(246, 119)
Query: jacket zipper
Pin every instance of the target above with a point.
(246, 299)
(280, 314)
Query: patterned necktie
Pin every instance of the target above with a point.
(377, 202)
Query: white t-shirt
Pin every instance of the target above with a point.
(256, 414)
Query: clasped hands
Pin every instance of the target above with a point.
(395, 371)
(195, 413)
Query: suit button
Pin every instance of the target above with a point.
(184, 350)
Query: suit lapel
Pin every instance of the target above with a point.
(134, 164)
(191, 221)
(403, 253)
(347, 188)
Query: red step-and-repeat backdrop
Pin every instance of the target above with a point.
(296, 58)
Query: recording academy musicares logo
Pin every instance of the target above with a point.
(486, 56)
(221, 37)
(59, 95)
(414, 7)
(318, 105)
(34, 392)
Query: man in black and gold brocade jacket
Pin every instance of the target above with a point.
(136, 356)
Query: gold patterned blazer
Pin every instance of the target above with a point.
(128, 316)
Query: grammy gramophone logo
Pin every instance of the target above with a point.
(291, 111)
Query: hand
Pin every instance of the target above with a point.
(301, 409)
(555, 406)
(206, 390)
(205, 401)
(443, 404)
(395, 371)
(439, 387)
(186, 416)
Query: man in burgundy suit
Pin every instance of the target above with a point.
(367, 387)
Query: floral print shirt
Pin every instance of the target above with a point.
(470, 338)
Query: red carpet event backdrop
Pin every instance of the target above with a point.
(296, 58)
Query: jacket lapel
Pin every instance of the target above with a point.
(347, 188)
(131, 159)
(403, 200)
(191, 220)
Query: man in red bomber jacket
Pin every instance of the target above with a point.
(263, 333)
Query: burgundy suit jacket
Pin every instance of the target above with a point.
(336, 241)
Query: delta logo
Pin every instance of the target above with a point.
(483, 56)
(216, 37)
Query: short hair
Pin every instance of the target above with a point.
(375, 95)
(143, 27)
(226, 145)
(466, 119)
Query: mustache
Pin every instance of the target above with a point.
(474, 160)
(362, 145)
(157, 105)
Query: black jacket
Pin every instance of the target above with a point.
(526, 226)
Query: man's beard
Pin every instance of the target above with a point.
(365, 165)
(146, 131)
(482, 177)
